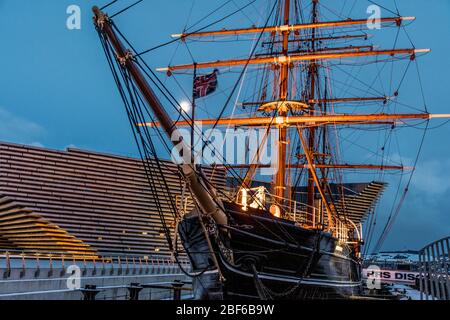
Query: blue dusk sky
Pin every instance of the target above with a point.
(56, 90)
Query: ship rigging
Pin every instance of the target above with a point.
(299, 234)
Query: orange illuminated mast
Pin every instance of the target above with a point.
(305, 109)
(317, 101)
(312, 120)
(290, 28)
(279, 187)
(310, 148)
(348, 37)
(310, 112)
(287, 59)
(325, 166)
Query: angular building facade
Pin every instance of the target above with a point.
(82, 203)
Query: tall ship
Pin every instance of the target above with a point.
(290, 223)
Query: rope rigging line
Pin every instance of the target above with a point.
(267, 293)
(108, 5)
(393, 216)
(132, 106)
(208, 15)
(137, 112)
(397, 208)
(158, 82)
(126, 9)
(243, 73)
(201, 29)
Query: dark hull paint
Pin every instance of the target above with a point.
(262, 257)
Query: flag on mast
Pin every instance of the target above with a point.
(205, 85)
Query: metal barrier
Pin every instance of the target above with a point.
(302, 214)
(10, 259)
(134, 289)
(434, 270)
(39, 274)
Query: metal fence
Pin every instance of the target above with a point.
(33, 275)
(434, 264)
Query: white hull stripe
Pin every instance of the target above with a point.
(306, 281)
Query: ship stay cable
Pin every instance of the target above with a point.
(126, 8)
(243, 182)
(267, 294)
(396, 210)
(108, 5)
(148, 151)
(203, 28)
(321, 160)
(155, 156)
(222, 113)
(143, 151)
(181, 114)
(392, 217)
(146, 168)
(230, 169)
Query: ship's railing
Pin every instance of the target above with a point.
(299, 213)
(344, 229)
(434, 270)
(16, 259)
(306, 216)
(38, 275)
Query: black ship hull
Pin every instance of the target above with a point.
(261, 257)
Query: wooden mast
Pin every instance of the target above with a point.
(345, 119)
(312, 130)
(325, 166)
(359, 36)
(290, 58)
(318, 101)
(280, 177)
(290, 28)
(205, 200)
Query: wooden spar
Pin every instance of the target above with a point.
(325, 166)
(290, 28)
(336, 49)
(349, 123)
(359, 36)
(310, 120)
(342, 100)
(287, 59)
(334, 100)
(205, 201)
(331, 211)
(279, 187)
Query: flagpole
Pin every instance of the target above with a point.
(193, 114)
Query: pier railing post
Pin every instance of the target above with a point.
(177, 288)
(135, 289)
(89, 292)
(7, 272)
